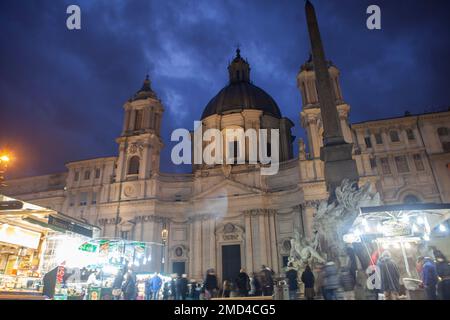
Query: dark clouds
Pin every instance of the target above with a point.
(61, 92)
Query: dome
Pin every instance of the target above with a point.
(241, 94)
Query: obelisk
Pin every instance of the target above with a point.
(336, 153)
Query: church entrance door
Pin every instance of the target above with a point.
(231, 261)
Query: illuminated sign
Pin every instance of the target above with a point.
(19, 236)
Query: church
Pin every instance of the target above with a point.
(231, 216)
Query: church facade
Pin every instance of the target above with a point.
(230, 216)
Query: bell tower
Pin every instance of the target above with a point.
(140, 142)
(310, 115)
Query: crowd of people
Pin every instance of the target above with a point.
(326, 282)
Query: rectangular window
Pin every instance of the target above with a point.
(418, 162)
(94, 198)
(77, 176)
(87, 175)
(378, 138)
(394, 136)
(83, 198)
(97, 173)
(402, 164)
(71, 200)
(385, 168)
(368, 142)
(124, 235)
(410, 134)
(373, 163)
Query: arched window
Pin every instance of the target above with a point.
(133, 165)
(138, 120)
(410, 199)
(410, 134)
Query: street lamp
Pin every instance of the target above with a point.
(164, 236)
(5, 159)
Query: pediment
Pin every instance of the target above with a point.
(227, 188)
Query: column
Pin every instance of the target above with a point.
(308, 219)
(262, 239)
(197, 249)
(273, 242)
(212, 246)
(248, 243)
(191, 248)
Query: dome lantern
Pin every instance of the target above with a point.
(239, 69)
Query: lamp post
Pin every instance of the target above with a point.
(164, 236)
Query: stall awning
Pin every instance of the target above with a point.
(36, 218)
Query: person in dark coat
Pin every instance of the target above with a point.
(243, 283)
(182, 287)
(173, 289)
(308, 279)
(256, 281)
(266, 280)
(443, 271)
(331, 281)
(129, 286)
(117, 285)
(292, 277)
(166, 291)
(148, 288)
(429, 278)
(389, 275)
(211, 285)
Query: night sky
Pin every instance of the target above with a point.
(62, 92)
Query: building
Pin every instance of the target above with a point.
(228, 216)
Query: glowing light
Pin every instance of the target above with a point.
(407, 245)
(5, 158)
(426, 237)
(442, 228)
(109, 269)
(396, 245)
(380, 228)
(405, 219)
(420, 220)
(415, 229)
(385, 245)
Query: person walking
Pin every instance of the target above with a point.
(331, 281)
(129, 286)
(156, 283)
(173, 287)
(308, 279)
(182, 287)
(443, 271)
(226, 289)
(148, 288)
(256, 284)
(266, 280)
(211, 285)
(166, 291)
(243, 283)
(430, 278)
(117, 285)
(292, 277)
(389, 275)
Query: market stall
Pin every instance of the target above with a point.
(27, 241)
(407, 231)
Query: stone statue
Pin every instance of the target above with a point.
(331, 222)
